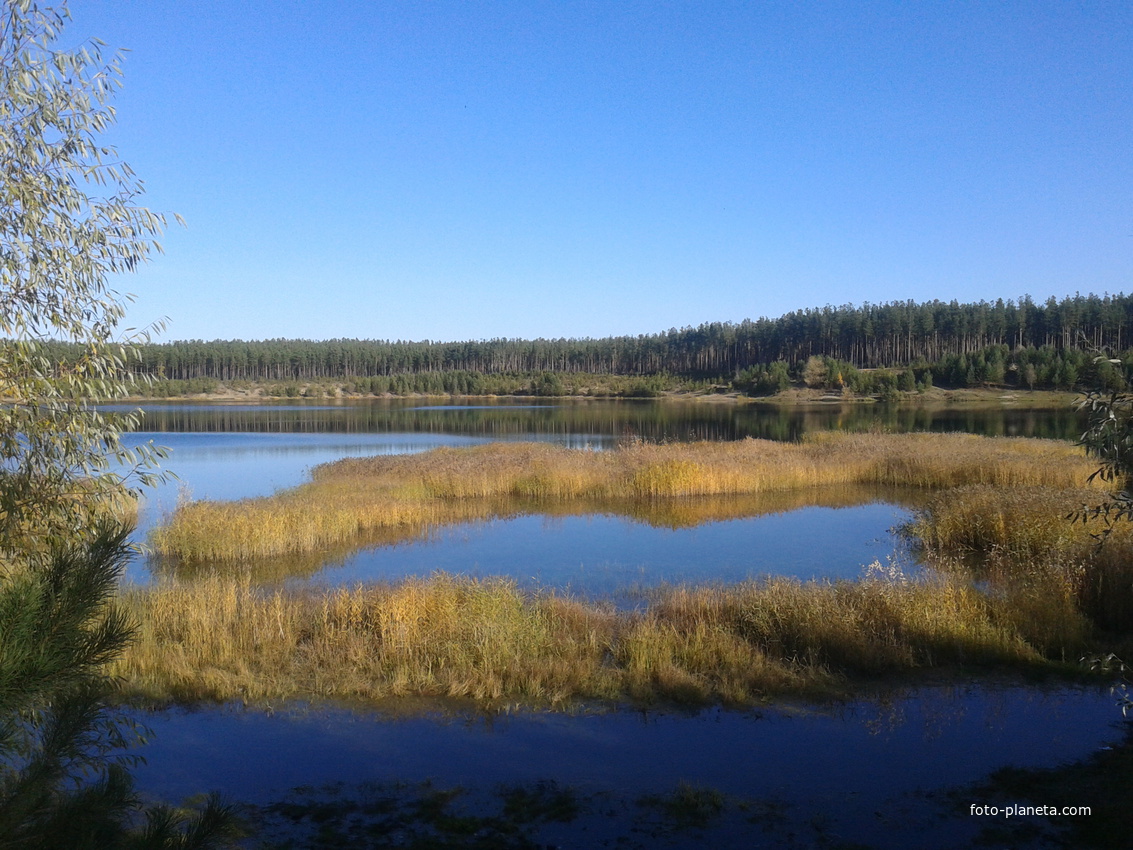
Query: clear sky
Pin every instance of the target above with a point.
(469, 170)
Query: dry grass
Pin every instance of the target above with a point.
(1021, 540)
(350, 499)
(659, 513)
(224, 639)
(1029, 521)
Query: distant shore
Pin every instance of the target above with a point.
(937, 396)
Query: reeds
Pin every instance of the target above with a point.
(349, 499)
(1028, 521)
(223, 639)
(1022, 540)
(1041, 586)
(659, 513)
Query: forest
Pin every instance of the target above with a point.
(1023, 343)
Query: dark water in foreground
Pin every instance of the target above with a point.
(873, 772)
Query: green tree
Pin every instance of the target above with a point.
(547, 384)
(1109, 438)
(64, 780)
(68, 223)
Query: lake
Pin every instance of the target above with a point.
(588, 553)
(234, 451)
(872, 771)
(869, 773)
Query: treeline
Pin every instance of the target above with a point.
(1020, 342)
(441, 383)
(1045, 367)
(869, 336)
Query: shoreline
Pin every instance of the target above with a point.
(936, 397)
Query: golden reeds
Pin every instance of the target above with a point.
(349, 499)
(1023, 540)
(225, 639)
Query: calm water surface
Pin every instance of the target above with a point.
(874, 773)
(871, 771)
(591, 554)
(233, 451)
(650, 420)
(602, 555)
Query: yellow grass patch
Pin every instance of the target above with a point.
(484, 639)
(350, 499)
(1022, 540)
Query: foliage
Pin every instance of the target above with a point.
(764, 379)
(547, 384)
(63, 779)
(956, 340)
(1109, 438)
(814, 372)
(207, 364)
(68, 221)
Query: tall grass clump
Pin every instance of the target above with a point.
(1021, 541)
(1028, 521)
(223, 639)
(351, 498)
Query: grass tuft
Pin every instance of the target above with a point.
(1020, 541)
(223, 639)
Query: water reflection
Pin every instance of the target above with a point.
(651, 420)
(616, 550)
(232, 451)
(869, 769)
(229, 466)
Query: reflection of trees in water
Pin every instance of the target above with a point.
(889, 711)
(940, 708)
(653, 421)
(671, 514)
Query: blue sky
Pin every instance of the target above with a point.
(470, 170)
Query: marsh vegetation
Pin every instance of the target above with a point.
(447, 636)
(1014, 585)
(351, 498)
